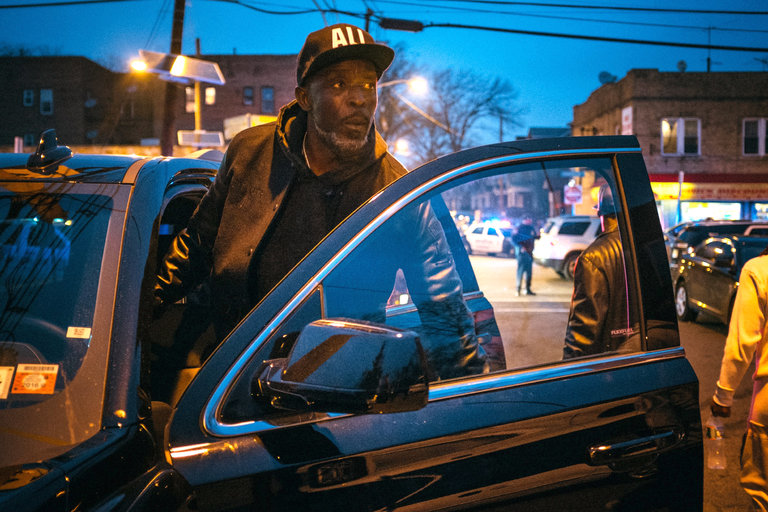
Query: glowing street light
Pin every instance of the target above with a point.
(417, 85)
(139, 65)
(402, 147)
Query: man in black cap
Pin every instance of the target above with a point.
(283, 186)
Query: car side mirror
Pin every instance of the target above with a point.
(347, 366)
(723, 260)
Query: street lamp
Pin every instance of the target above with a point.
(417, 85)
(185, 70)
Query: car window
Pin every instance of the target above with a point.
(478, 230)
(574, 228)
(413, 273)
(757, 231)
(715, 250)
(492, 232)
(51, 245)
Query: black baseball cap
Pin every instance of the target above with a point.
(340, 42)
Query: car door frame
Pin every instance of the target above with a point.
(195, 436)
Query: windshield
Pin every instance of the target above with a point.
(52, 242)
(50, 248)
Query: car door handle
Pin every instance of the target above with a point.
(608, 453)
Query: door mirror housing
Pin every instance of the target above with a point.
(348, 366)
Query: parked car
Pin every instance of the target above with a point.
(323, 397)
(708, 277)
(563, 239)
(489, 238)
(684, 237)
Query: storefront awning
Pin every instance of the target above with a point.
(711, 187)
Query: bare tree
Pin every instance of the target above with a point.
(458, 112)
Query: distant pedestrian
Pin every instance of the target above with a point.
(747, 336)
(524, 240)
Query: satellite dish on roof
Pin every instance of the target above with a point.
(682, 66)
(606, 78)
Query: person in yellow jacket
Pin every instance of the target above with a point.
(747, 336)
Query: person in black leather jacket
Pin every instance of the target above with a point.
(283, 186)
(600, 319)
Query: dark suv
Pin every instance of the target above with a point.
(682, 238)
(708, 277)
(346, 387)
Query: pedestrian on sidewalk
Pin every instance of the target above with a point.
(747, 336)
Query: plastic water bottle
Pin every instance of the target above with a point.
(714, 442)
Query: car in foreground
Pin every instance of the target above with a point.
(563, 239)
(683, 238)
(489, 238)
(365, 380)
(708, 277)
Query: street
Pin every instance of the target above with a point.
(528, 320)
(704, 344)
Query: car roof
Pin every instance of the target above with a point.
(90, 167)
(54, 162)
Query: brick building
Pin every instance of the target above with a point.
(703, 137)
(88, 104)
(257, 85)
(85, 102)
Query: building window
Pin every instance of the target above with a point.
(29, 97)
(755, 135)
(267, 100)
(210, 95)
(209, 98)
(680, 136)
(30, 139)
(46, 102)
(189, 107)
(247, 95)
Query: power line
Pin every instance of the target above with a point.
(572, 18)
(599, 38)
(60, 4)
(603, 7)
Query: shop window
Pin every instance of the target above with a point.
(755, 131)
(680, 136)
(46, 102)
(29, 97)
(267, 100)
(247, 95)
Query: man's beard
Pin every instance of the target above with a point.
(341, 146)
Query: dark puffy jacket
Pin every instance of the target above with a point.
(600, 319)
(259, 166)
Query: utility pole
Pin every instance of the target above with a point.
(167, 135)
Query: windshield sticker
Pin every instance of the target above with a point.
(80, 333)
(35, 378)
(6, 373)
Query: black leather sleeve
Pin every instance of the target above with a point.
(588, 306)
(189, 259)
(437, 291)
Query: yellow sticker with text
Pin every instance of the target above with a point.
(35, 378)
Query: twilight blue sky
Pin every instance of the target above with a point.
(551, 74)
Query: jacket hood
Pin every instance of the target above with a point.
(291, 128)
